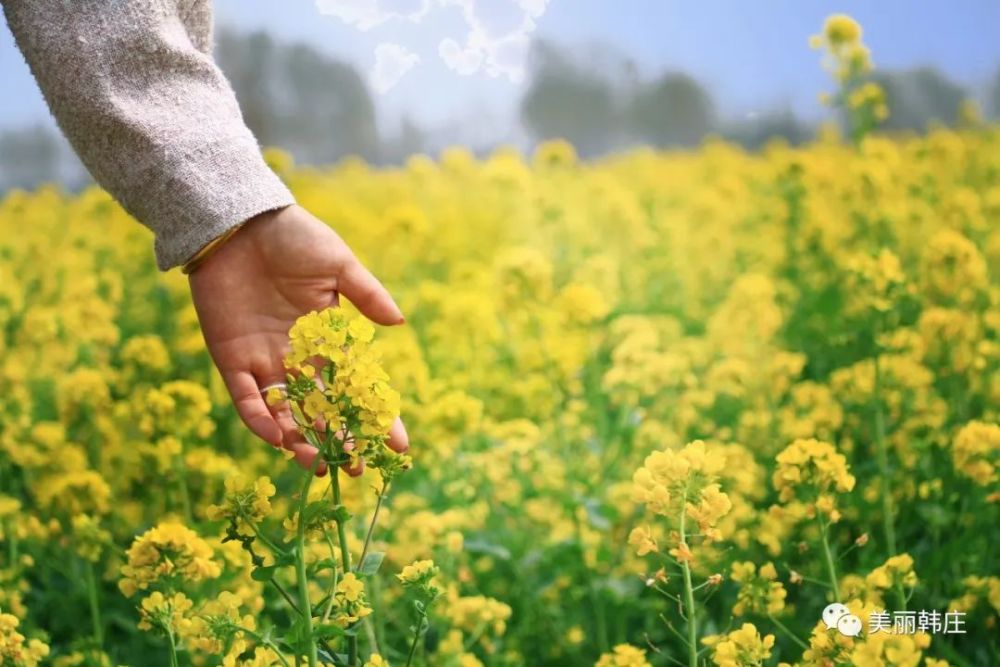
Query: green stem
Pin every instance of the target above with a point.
(284, 594)
(416, 635)
(95, 608)
(830, 567)
(173, 650)
(300, 564)
(883, 464)
(345, 555)
(267, 643)
(689, 594)
(791, 635)
(371, 526)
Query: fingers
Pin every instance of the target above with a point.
(367, 293)
(250, 405)
(292, 438)
(399, 440)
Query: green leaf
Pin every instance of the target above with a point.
(325, 564)
(483, 547)
(263, 573)
(327, 631)
(370, 565)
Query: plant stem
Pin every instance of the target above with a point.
(266, 643)
(791, 635)
(345, 555)
(416, 635)
(371, 526)
(300, 563)
(95, 608)
(173, 649)
(830, 567)
(689, 595)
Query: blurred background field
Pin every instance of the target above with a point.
(665, 380)
(325, 83)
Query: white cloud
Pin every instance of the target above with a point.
(498, 38)
(392, 62)
(496, 42)
(456, 57)
(367, 14)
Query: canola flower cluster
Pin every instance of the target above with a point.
(664, 407)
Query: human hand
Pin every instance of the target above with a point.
(277, 267)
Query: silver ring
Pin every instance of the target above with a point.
(269, 387)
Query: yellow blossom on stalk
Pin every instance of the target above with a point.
(349, 600)
(897, 570)
(217, 626)
(953, 270)
(976, 589)
(624, 655)
(743, 648)
(815, 469)
(641, 537)
(672, 479)
(246, 503)
(420, 571)
(975, 452)
(166, 613)
(15, 648)
(352, 390)
(167, 554)
(759, 592)
(375, 660)
(89, 539)
(874, 283)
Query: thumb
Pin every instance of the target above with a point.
(367, 294)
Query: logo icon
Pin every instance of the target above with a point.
(838, 616)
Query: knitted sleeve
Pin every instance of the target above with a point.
(133, 86)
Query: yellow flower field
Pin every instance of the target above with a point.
(665, 408)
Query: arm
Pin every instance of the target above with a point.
(134, 88)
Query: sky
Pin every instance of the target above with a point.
(449, 62)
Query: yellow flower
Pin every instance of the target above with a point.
(841, 29)
(168, 552)
(246, 503)
(975, 450)
(743, 648)
(350, 587)
(642, 539)
(417, 572)
(814, 469)
(759, 592)
(623, 655)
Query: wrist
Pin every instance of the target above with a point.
(210, 248)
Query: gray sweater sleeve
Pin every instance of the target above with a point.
(133, 86)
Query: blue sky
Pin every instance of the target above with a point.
(752, 55)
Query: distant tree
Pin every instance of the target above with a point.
(576, 100)
(28, 157)
(993, 103)
(754, 132)
(295, 97)
(918, 97)
(673, 110)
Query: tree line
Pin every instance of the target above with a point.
(321, 110)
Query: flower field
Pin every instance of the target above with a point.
(664, 408)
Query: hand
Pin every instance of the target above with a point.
(277, 267)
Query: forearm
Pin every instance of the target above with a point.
(133, 86)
